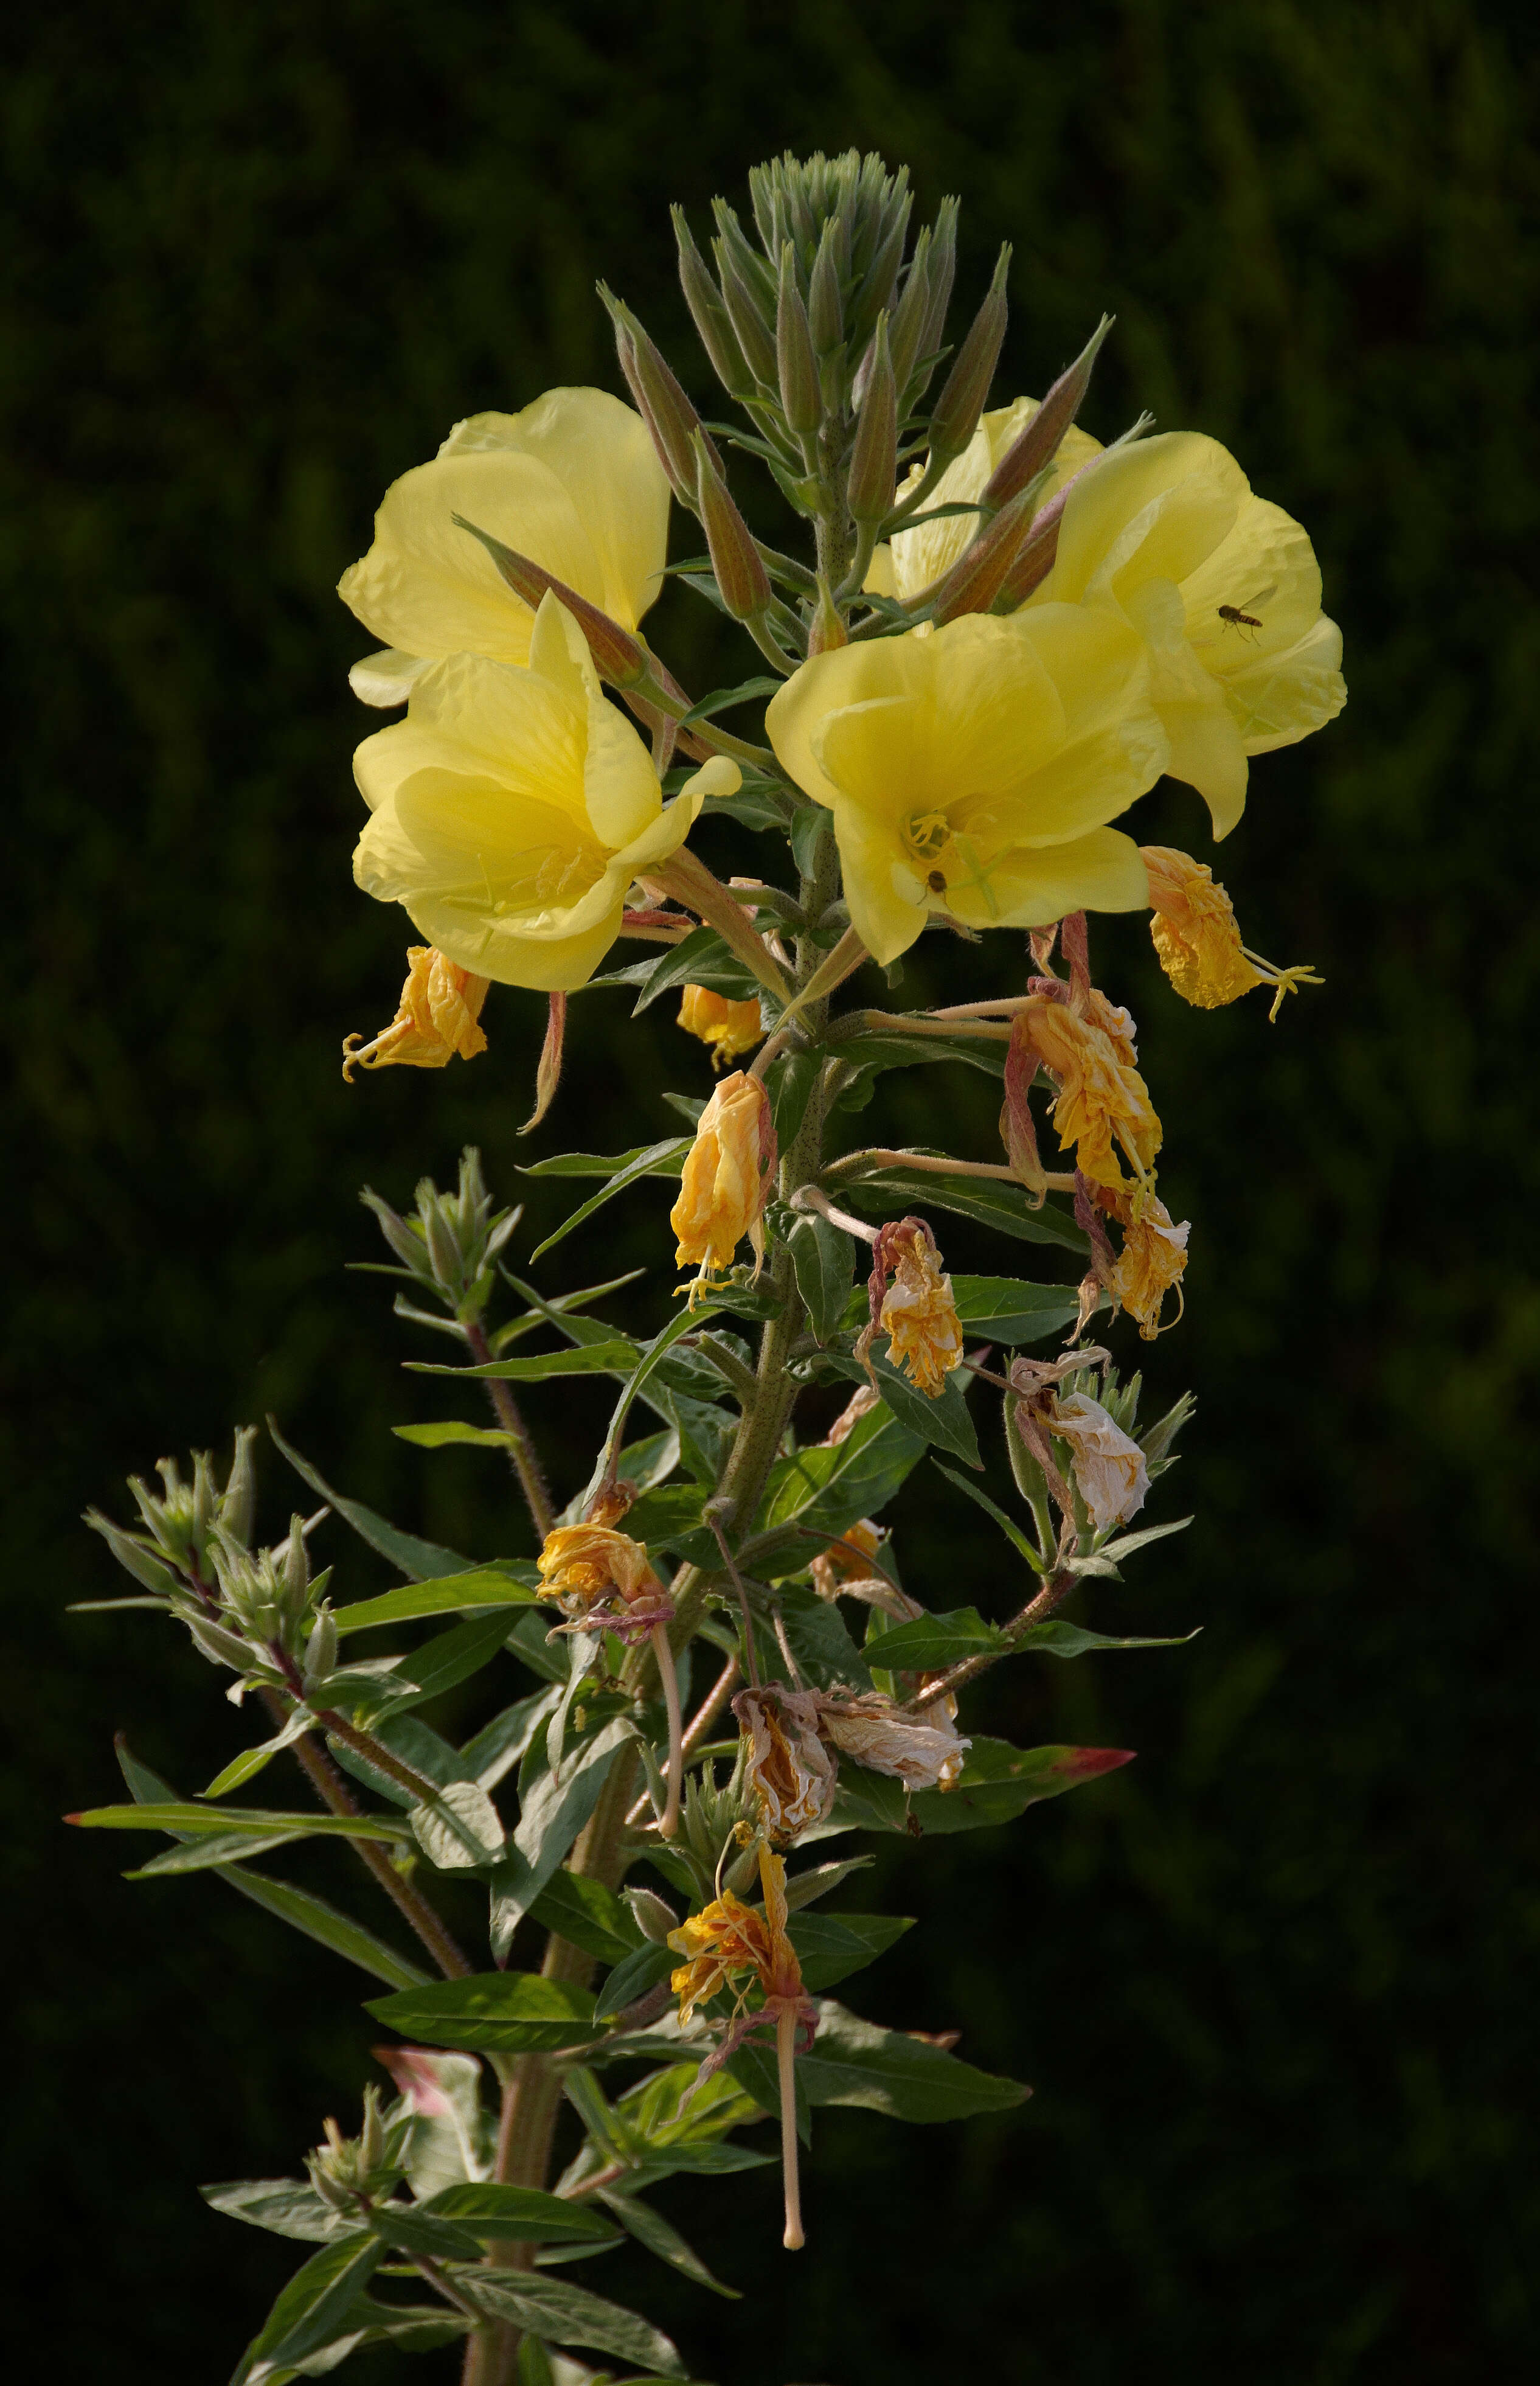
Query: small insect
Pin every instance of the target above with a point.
(1237, 617)
(936, 881)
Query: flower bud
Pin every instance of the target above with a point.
(205, 1499)
(618, 656)
(1037, 442)
(735, 560)
(727, 1177)
(909, 316)
(661, 403)
(825, 309)
(444, 1249)
(826, 630)
(220, 1646)
(941, 270)
(652, 1916)
(320, 1650)
(749, 323)
(796, 365)
(296, 1569)
(874, 457)
(981, 572)
(435, 1018)
(966, 388)
(408, 1246)
(133, 1556)
(711, 319)
(875, 294)
(238, 1501)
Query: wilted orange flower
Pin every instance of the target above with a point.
(602, 1579)
(728, 1027)
(726, 1179)
(434, 1019)
(845, 1560)
(919, 1314)
(1102, 1097)
(1153, 1259)
(789, 1772)
(728, 1946)
(1194, 931)
(924, 1752)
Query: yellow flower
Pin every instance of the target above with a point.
(728, 1945)
(1102, 1097)
(727, 1177)
(789, 1772)
(919, 1314)
(434, 1019)
(728, 1027)
(513, 807)
(924, 1752)
(972, 770)
(1153, 1259)
(917, 558)
(1225, 589)
(573, 482)
(1110, 1468)
(1194, 931)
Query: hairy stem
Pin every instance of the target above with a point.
(522, 1449)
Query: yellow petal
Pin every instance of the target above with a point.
(386, 677)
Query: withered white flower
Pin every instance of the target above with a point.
(1109, 1467)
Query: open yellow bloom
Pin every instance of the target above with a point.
(917, 558)
(1153, 1261)
(1102, 1097)
(513, 807)
(1226, 590)
(573, 483)
(434, 1019)
(1194, 927)
(727, 1026)
(727, 1177)
(919, 1314)
(972, 770)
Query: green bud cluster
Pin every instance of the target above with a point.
(369, 2166)
(270, 1596)
(182, 1520)
(448, 1248)
(709, 1816)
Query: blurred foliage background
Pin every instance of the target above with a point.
(1274, 1983)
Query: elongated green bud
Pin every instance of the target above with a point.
(757, 278)
(876, 292)
(874, 459)
(966, 388)
(825, 309)
(801, 399)
(910, 315)
(1037, 442)
(132, 1556)
(618, 656)
(238, 1501)
(978, 576)
(943, 266)
(710, 317)
(740, 574)
(661, 403)
(749, 323)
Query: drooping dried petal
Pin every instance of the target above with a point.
(789, 1772)
(727, 1177)
(924, 1752)
(1109, 1467)
(434, 1019)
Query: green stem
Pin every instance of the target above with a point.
(521, 1448)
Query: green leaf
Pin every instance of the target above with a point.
(204, 1854)
(832, 1485)
(804, 1886)
(791, 1079)
(554, 1813)
(251, 1761)
(1000, 1782)
(825, 1654)
(530, 1642)
(562, 1310)
(526, 2215)
(288, 2207)
(757, 804)
(700, 959)
(1013, 1531)
(943, 1421)
(824, 1258)
(653, 1160)
(502, 2013)
(662, 1160)
(307, 2312)
(637, 1972)
(589, 1915)
(865, 1800)
(831, 1946)
(722, 700)
(448, 1659)
(1060, 1640)
(877, 1049)
(255, 1822)
(511, 1584)
(562, 2314)
(670, 1518)
(989, 1199)
(931, 1643)
(611, 1357)
(1002, 1308)
(459, 1829)
(855, 2062)
(449, 1430)
(421, 2234)
(810, 824)
(661, 2238)
(418, 1561)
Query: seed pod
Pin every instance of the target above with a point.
(966, 388)
(874, 459)
(735, 560)
(797, 367)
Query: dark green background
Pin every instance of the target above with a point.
(1274, 1984)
